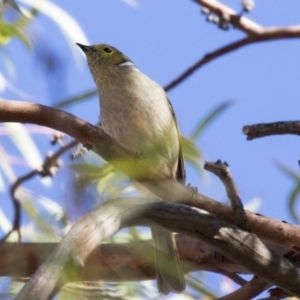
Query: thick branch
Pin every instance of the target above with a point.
(266, 228)
(92, 137)
(120, 262)
(242, 247)
(67, 261)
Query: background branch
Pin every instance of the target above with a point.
(240, 22)
(266, 129)
(48, 168)
(255, 33)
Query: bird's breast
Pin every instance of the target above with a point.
(137, 114)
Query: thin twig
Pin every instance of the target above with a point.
(208, 58)
(48, 168)
(242, 23)
(255, 33)
(17, 206)
(233, 276)
(250, 290)
(222, 171)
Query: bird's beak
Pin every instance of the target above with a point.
(84, 48)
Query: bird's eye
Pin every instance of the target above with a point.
(107, 50)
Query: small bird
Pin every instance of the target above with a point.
(136, 112)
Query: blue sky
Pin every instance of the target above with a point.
(165, 37)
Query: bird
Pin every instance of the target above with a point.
(136, 112)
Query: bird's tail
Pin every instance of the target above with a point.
(168, 270)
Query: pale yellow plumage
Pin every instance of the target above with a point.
(135, 111)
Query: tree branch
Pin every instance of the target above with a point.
(208, 58)
(240, 22)
(105, 146)
(122, 262)
(266, 129)
(248, 26)
(250, 290)
(255, 33)
(48, 168)
(222, 171)
(92, 137)
(240, 246)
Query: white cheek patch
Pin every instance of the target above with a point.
(126, 64)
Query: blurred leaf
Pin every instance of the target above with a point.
(24, 142)
(9, 65)
(14, 288)
(68, 25)
(92, 172)
(191, 153)
(135, 233)
(7, 31)
(2, 83)
(5, 224)
(38, 219)
(210, 117)
(25, 18)
(2, 185)
(12, 4)
(53, 208)
(96, 290)
(288, 171)
(196, 285)
(295, 193)
(6, 167)
(294, 196)
(5, 84)
(106, 180)
(76, 99)
(254, 204)
(132, 3)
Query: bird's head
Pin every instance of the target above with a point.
(103, 55)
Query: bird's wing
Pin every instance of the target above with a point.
(180, 173)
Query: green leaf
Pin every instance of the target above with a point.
(295, 193)
(67, 24)
(6, 167)
(194, 284)
(18, 133)
(191, 153)
(292, 201)
(44, 226)
(288, 171)
(92, 172)
(5, 223)
(25, 18)
(203, 124)
(12, 4)
(7, 31)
